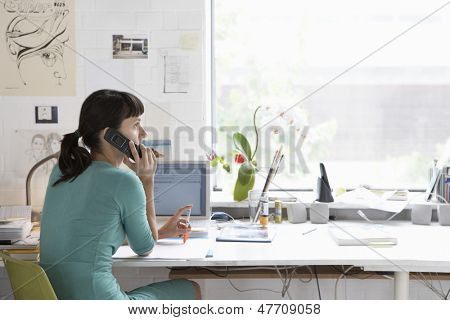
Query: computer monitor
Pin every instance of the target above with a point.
(178, 183)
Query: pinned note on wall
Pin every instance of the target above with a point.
(176, 74)
(189, 41)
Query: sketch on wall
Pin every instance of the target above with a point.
(130, 46)
(37, 47)
(32, 146)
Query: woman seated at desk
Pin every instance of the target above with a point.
(91, 205)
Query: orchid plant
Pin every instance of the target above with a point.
(248, 165)
(245, 156)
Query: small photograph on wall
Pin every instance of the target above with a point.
(130, 46)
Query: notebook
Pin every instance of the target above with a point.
(364, 235)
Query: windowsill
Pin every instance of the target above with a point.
(223, 199)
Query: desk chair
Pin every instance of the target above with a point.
(28, 280)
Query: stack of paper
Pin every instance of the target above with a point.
(9, 213)
(13, 231)
(363, 235)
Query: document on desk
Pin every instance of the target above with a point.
(364, 235)
(246, 233)
(170, 249)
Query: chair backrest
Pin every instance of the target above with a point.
(28, 280)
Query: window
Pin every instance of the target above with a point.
(377, 108)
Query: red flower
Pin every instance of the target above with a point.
(239, 158)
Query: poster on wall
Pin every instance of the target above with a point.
(37, 47)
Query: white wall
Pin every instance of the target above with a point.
(173, 26)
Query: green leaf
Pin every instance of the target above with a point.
(241, 143)
(246, 170)
(214, 163)
(244, 182)
(226, 167)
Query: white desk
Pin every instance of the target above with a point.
(419, 249)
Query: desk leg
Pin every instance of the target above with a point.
(401, 285)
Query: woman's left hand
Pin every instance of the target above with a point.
(175, 226)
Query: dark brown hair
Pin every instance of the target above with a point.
(101, 109)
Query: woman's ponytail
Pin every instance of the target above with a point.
(74, 159)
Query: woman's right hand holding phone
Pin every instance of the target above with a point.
(144, 167)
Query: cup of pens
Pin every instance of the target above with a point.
(254, 198)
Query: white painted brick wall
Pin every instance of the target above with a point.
(109, 20)
(170, 21)
(121, 6)
(95, 23)
(85, 5)
(149, 20)
(165, 38)
(180, 5)
(86, 39)
(190, 20)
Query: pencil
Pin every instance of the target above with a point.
(157, 154)
(309, 231)
(186, 235)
